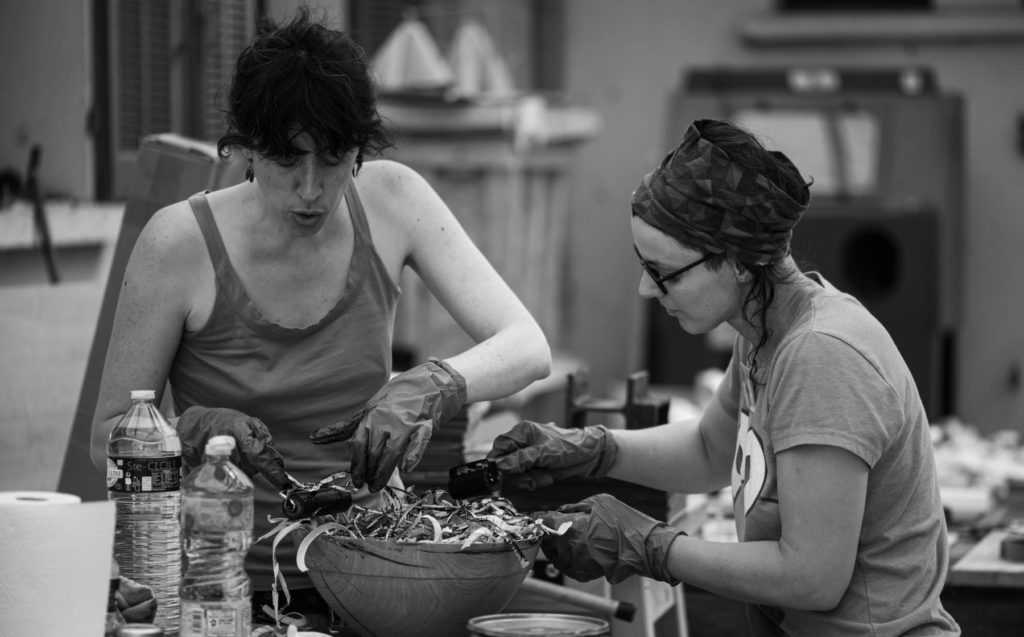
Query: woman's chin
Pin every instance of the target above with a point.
(689, 326)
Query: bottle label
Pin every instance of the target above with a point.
(144, 475)
(217, 514)
(215, 619)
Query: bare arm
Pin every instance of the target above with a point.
(821, 504)
(151, 311)
(691, 456)
(511, 350)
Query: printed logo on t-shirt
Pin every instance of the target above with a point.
(749, 468)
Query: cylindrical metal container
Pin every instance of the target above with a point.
(140, 630)
(537, 625)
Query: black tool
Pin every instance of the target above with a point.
(329, 495)
(304, 504)
(473, 479)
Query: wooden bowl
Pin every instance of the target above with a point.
(423, 589)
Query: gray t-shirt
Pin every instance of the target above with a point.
(831, 375)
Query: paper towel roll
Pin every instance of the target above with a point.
(55, 554)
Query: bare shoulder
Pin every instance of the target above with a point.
(171, 241)
(398, 192)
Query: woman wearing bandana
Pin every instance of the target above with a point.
(817, 427)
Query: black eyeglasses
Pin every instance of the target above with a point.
(661, 279)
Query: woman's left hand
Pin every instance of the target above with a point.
(608, 538)
(398, 421)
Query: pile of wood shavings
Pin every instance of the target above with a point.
(434, 516)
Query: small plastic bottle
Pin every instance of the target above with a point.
(217, 523)
(144, 482)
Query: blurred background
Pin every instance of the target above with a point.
(535, 119)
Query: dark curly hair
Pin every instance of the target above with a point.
(746, 150)
(303, 77)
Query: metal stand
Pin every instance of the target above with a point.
(640, 409)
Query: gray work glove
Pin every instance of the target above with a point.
(397, 422)
(254, 450)
(608, 538)
(533, 455)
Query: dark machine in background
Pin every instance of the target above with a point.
(883, 147)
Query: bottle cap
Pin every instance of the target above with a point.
(143, 394)
(220, 445)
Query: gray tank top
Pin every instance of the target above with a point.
(295, 380)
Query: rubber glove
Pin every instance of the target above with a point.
(609, 538)
(397, 422)
(532, 455)
(135, 602)
(254, 452)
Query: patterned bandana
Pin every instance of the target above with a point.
(700, 194)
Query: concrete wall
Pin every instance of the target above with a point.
(46, 77)
(626, 58)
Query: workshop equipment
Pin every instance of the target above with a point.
(1011, 548)
(640, 409)
(599, 604)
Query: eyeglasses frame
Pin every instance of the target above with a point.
(659, 278)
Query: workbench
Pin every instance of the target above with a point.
(983, 592)
(982, 567)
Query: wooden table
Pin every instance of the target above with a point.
(985, 593)
(982, 566)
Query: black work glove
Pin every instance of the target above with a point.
(254, 452)
(609, 538)
(532, 455)
(397, 422)
(135, 602)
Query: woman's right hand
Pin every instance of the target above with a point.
(532, 455)
(254, 452)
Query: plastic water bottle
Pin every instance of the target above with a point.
(144, 481)
(217, 523)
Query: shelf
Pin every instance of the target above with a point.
(949, 26)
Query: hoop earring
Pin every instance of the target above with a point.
(248, 172)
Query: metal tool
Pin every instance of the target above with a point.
(329, 495)
(473, 479)
(305, 504)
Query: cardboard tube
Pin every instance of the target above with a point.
(607, 607)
